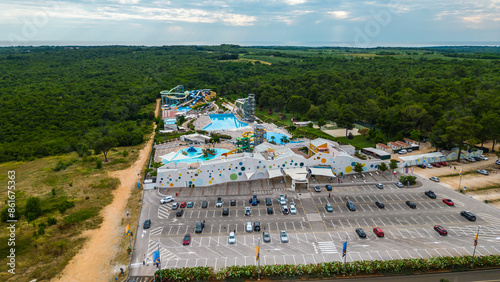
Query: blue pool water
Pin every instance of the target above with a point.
(277, 137)
(183, 109)
(192, 157)
(224, 121)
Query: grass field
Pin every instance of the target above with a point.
(358, 141)
(72, 196)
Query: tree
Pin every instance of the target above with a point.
(490, 123)
(393, 165)
(313, 113)
(370, 111)
(33, 208)
(415, 135)
(284, 139)
(363, 131)
(459, 131)
(104, 144)
(180, 120)
(358, 167)
(383, 167)
(321, 122)
(346, 120)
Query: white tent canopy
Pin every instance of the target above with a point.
(297, 174)
(274, 173)
(249, 174)
(325, 171)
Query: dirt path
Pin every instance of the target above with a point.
(92, 263)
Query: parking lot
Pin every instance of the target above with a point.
(316, 235)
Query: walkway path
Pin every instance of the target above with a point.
(92, 263)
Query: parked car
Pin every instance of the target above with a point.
(283, 236)
(248, 227)
(175, 206)
(434, 178)
(254, 200)
(443, 163)
(430, 194)
(183, 205)
(329, 208)
(483, 172)
(233, 203)
(293, 210)
(269, 202)
(248, 211)
(266, 237)
(361, 233)
(187, 239)
(147, 224)
(380, 185)
(399, 184)
(256, 226)
(270, 211)
(225, 211)
(179, 212)
(429, 166)
(282, 200)
(328, 187)
(449, 202)
(204, 204)
(411, 204)
(350, 205)
(478, 159)
(379, 204)
(378, 232)
(467, 214)
(232, 238)
(422, 166)
(484, 158)
(284, 209)
(219, 202)
(472, 160)
(166, 199)
(317, 188)
(440, 229)
(436, 165)
(190, 204)
(497, 162)
(403, 151)
(199, 227)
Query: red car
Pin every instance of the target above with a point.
(440, 229)
(187, 239)
(449, 202)
(436, 165)
(183, 204)
(443, 163)
(378, 231)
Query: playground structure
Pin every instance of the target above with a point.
(178, 97)
(246, 107)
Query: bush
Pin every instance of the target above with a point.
(405, 178)
(64, 205)
(6, 214)
(41, 228)
(62, 165)
(79, 216)
(51, 221)
(33, 208)
(125, 153)
(98, 164)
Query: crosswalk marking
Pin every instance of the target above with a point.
(327, 247)
(156, 231)
(163, 211)
(165, 254)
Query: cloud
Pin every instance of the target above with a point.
(294, 2)
(339, 14)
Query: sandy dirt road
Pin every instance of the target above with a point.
(92, 263)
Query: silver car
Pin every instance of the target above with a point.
(232, 238)
(399, 184)
(433, 178)
(249, 227)
(283, 236)
(293, 209)
(266, 236)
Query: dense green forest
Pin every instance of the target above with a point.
(55, 100)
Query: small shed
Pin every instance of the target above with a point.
(376, 153)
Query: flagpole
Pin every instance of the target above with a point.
(475, 243)
(258, 263)
(460, 181)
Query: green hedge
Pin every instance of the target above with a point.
(328, 269)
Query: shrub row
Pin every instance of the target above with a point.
(328, 269)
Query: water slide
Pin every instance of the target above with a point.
(229, 153)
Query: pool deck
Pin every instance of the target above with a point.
(176, 145)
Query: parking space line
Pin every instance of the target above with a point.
(416, 251)
(369, 255)
(498, 252)
(391, 233)
(397, 252)
(427, 232)
(428, 253)
(389, 254)
(349, 223)
(397, 196)
(467, 251)
(408, 231)
(486, 250)
(401, 234)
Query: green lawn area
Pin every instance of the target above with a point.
(358, 141)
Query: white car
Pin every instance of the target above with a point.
(402, 152)
(435, 179)
(232, 238)
(282, 200)
(166, 199)
(483, 172)
(283, 236)
(249, 227)
(484, 158)
(248, 211)
(429, 166)
(219, 202)
(497, 162)
(293, 210)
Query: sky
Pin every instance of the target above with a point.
(250, 22)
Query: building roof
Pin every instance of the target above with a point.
(325, 171)
(409, 140)
(319, 142)
(402, 143)
(426, 156)
(376, 151)
(383, 146)
(394, 144)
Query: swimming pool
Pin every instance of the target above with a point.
(224, 121)
(191, 157)
(277, 137)
(184, 109)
